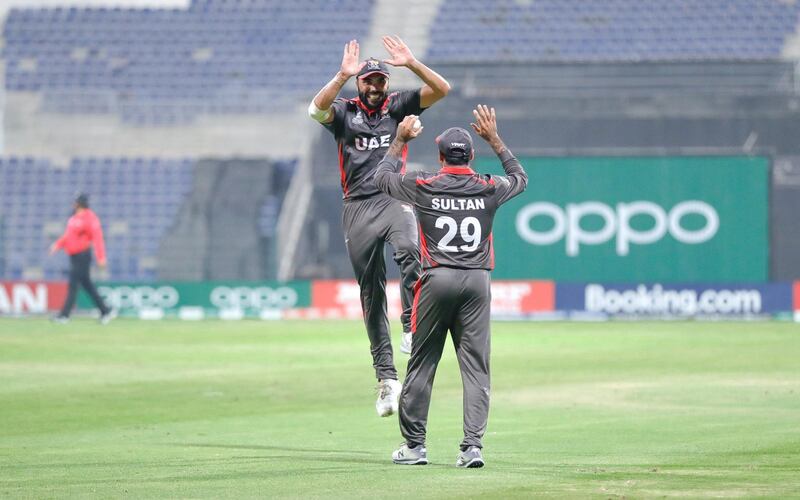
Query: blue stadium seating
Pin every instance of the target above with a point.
(170, 65)
(611, 30)
(136, 198)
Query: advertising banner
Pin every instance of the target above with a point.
(31, 297)
(796, 300)
(636, 219)
(340, 299)
(675, 300)
(223, 299)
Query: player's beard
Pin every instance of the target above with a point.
(376, 102)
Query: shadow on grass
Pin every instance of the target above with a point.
(309, 454)
(287, 461)
(288, 449)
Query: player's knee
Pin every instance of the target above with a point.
(406, 248)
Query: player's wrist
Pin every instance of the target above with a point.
(496, 143)
(413, 63)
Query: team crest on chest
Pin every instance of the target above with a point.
(358, 119)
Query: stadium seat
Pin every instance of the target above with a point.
(149, 55)
(618, 30)
(36, 198)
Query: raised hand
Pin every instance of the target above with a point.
(351, 64)
(485, 122)
(400, 54)
(406, 130)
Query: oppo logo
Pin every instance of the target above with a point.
(616, 224)
(138, 297)
(243, 297)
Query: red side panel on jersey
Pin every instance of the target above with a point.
(341, 170)
(415, 305)
(491, 250)
(423, 243)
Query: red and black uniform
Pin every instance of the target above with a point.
(370, 218)
(456, 208)
(83, 231)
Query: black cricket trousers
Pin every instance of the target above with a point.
(368, 224)
(79, 265)
(458, 300)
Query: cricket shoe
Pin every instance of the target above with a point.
(388, 397)
(410, 456)
(60, 319)
(107, 317)
(405, 342)
(471, 458)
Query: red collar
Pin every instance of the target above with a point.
(448, 169)
(369, 111)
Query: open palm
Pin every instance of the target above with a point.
(350, 63)
(400, 54)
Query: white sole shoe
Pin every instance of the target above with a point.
(107, 317)
(410, 456)
(471, 458)
(388, 397)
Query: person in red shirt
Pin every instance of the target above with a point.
(83, 230)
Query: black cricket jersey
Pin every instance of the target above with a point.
(363, 136)
(455, 208)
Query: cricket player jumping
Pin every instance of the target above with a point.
(364, 127)
(455, 207)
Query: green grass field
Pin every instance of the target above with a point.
(286, 409)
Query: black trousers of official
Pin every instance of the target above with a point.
(457, 300)
(79, 265)
(369, 223)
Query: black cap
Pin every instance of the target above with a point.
(82, 199)
(372, 66)
(455, 142)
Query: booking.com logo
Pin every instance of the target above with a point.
(616, 223)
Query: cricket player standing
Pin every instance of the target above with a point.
(364, 127)
(455, 207)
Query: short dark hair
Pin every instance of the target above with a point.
(456, 160)
(82, 200)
